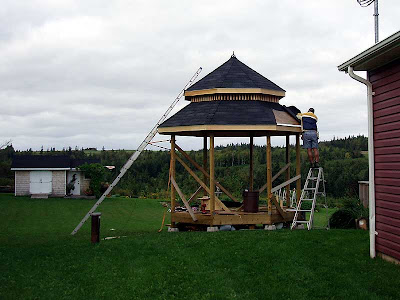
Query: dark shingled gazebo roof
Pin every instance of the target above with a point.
(229, 113)
(234, 74)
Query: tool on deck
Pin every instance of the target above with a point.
(136, 154)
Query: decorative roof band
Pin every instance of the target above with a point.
(235, 91)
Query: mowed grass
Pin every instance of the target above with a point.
(40, 260)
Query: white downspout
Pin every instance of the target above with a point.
(371, 162)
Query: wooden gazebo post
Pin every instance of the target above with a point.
(251, 171)
(288, 170)
(269, 174)
(205, 162)
(212, 183)
(298, 168)
(172, 170)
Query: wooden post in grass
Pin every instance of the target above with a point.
(172, 170)
(298, 168)
(288, 170)
(205, 161)
(212, 184)
(95, 234)
(269, 174)
(251, 171)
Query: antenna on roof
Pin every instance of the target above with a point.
(233, 54)
(365, 3)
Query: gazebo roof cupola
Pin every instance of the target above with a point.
(233, 80)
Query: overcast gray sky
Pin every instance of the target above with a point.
(101, 73)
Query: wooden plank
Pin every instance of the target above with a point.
(260, 190)
(204, 162)
(202, 184)
(251, 167)
(172, 169)
(298, 168)
(244, 128)
(189, 209)
(387, 119)
(212, 184)
(388, 142)
(278, 187)
(278, 207)
(196, 193)
(269, 174)
(287, 158)
(202, 170)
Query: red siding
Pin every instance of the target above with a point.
(386, 111)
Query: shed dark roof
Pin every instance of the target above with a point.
(228, 112)
(48, 161)
(234, 74)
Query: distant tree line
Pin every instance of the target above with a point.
(344, 161)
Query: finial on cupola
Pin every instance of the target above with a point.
(233, 54)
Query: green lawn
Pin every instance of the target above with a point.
(40, 260)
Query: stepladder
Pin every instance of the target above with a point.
(313, 191)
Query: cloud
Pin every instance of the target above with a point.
(101, 73)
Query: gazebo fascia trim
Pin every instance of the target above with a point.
(288, 127)
(234, 91)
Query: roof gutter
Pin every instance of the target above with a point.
(371, 162)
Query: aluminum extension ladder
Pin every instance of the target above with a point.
(136, 154)
(312, 188)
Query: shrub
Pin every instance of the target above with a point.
(346, 216)
(96, 173)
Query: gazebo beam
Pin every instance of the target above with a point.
(202, 170)
(298, 168)
(204, 161)
(251, 171)
(212, 181)
(269, 174)
(288, 170)
(172, 170)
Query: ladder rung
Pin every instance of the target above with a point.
(293, 209)
(302, 222)
(307, 199)
(310, 189)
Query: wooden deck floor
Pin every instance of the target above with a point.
(234, 218)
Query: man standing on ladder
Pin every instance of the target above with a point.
(310, 136)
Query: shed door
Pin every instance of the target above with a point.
(77, 182)
(40, 182)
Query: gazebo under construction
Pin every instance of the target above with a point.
(232, 101)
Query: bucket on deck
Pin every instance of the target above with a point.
(250, 201)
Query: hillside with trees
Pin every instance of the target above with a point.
(344, 162)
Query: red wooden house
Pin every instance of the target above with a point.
(382, 64)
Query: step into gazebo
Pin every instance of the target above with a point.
(232, 101)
